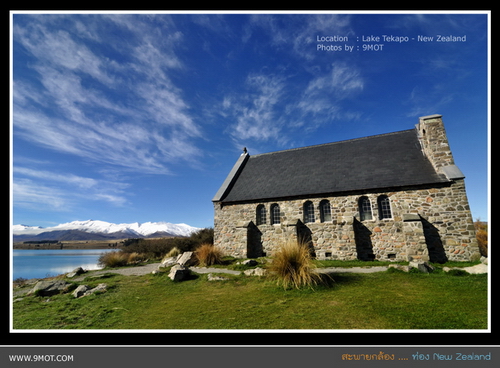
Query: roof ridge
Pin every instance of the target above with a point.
(332, 143)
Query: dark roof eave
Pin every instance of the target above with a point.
(231, 178)
(442, 182)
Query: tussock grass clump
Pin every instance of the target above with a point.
(113, 259)
(207, 255)
(120, 259)
(293, 267)
(134, 258)
(174, 252)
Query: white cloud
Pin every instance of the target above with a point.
(272, 107)
(29, 194)
(79, 181)
(256, 109)
(79, 83)
(342, 81)
(35, 188)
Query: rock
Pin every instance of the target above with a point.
(99, 288)
(48, 288)
(167, 262)
(80, 290)
(186, 259)
(84, 290)
(77, 271)
(477, 269)
(178, 273)
(255, 272)
(484, 260)
(211, 277)
(249, 263)
(422, 266)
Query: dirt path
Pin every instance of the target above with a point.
(143, 270)
(128, 271)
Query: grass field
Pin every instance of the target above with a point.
(383, 300)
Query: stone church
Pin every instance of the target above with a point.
(396, 196)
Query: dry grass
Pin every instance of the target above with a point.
(113, 259)
(208, 255)
(482, 236)
(293, 267)
(134, 258)
(174, 252)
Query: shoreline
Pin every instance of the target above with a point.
(71, 244)
(63, 246)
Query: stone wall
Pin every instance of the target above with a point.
(428, 223)
(434, 141)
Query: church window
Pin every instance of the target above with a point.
(365, 208)
(308, 212)
(275, 214)
(384, 207)
(325, 210)
(261, 215)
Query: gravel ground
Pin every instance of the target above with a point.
(128, 271)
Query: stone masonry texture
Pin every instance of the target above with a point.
(429, 222)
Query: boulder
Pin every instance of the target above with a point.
(186, 259)
(80, 291)
(255, 272)
(477, 269)
(249, 263)
(99, 288)
(167, 262)
(84, 290)
(49, 287)
(77, 271)
(178, 273)
(473, 270)
(422, 266)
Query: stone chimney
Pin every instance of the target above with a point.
(435, 146)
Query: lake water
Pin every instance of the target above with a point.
(40, 263)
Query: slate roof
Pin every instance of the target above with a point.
(363, 164)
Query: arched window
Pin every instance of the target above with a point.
(365, 208)
(384, 207)
(325, 210)
(308, 212)
(275, 214)
(260, 215)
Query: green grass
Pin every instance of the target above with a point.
(384, 300)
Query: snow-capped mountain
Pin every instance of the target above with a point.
(104, 229)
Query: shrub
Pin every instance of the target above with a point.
(113, 259)
(293, 267)
(174, 252)
(158, 248)
(134, 258)
(203, 236)
(150, 248)
(482, 236)
(207, 255)
(20, 281)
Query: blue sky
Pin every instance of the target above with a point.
(139, 117)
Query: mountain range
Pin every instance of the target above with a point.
(100, 230)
